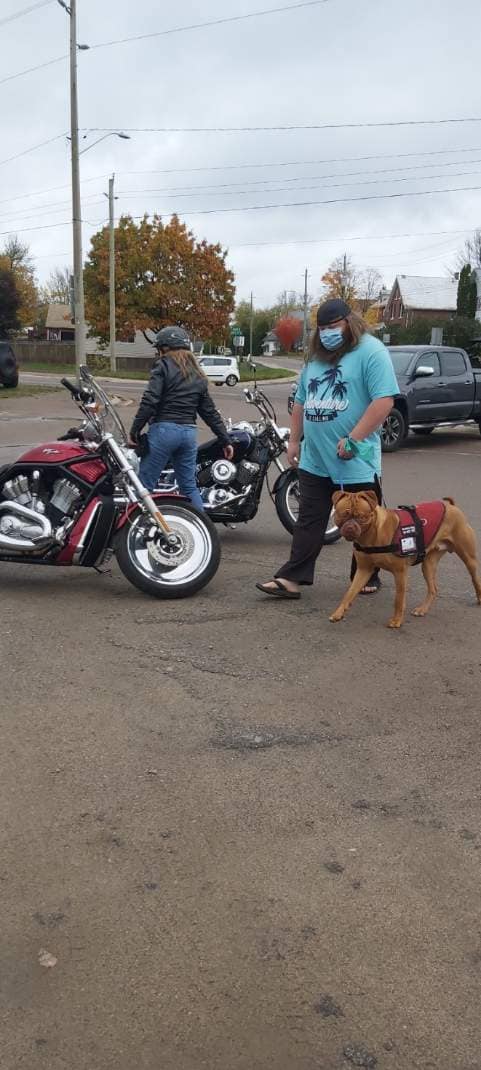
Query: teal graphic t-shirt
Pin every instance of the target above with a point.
(335, 396)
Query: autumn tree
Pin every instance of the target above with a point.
(15, 257)
(288, 330)
(467, 292)
(9, 301)
(341, 280)
(163, 275)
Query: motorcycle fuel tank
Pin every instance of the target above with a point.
(88, 468)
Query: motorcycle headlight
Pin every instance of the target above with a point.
(284, 433)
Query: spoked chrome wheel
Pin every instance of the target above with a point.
(287, 505)
(169, 569)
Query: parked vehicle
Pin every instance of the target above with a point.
(221, 369)
(8, 366)
(231, 490)
(79, 500)
(438, 387)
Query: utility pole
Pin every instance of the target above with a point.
(305, 332)
(80, 330)
(113, 359)
(251, 324)
(344, 275)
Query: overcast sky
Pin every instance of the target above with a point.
(341, 61)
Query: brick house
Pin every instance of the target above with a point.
(416, 297)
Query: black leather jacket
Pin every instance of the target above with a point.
(171, 398)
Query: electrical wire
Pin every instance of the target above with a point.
(30, 70)
(211, 22)
(33, 148)
(25, 11)
(286, 128)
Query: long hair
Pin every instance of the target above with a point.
(186, 363)
(356, 327)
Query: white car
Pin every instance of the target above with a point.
(221, 369)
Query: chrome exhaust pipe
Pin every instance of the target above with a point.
(19, 536)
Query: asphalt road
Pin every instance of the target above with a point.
(250, 838)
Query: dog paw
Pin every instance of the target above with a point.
(336, 617)
(394, 623)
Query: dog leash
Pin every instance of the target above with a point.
(364, 450)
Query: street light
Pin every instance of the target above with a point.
(112, 133)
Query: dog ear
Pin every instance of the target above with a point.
(336, 497)
(371, 497)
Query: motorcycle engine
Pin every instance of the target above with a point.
(224, 482)
(32, 514)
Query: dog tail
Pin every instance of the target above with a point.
(450, 500)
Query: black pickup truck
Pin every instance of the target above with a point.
(438, 387)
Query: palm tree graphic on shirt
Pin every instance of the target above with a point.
(334, 384)
(312, 387)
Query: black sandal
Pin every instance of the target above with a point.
(279, 591)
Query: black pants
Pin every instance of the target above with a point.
(315, 504)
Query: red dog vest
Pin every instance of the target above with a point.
(417, 526)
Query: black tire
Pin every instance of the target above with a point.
(423, 430)
(232, 380)
(394, 431)
(132, 553)
(11, 384)
(285, 511)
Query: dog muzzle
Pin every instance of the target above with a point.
(351, 530)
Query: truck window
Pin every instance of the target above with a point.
(453, 364)
(429, 360)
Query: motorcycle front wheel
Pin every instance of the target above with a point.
(158, 569)
(287, 506)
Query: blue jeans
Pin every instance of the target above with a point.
(176, 443)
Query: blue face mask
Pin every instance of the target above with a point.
(331, 337)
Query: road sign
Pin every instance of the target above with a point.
(235, 330)
(238, 340)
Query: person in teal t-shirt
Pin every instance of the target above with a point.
(344, 394)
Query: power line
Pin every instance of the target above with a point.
(251, 166)
(25, 11)
(283, 189)
(211, 22)
(33, 148)
(285, 128)
(350, 238)
(334, 200)
(29, 70)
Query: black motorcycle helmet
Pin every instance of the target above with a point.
(172, 338)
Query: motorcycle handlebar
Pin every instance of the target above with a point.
(74, 390)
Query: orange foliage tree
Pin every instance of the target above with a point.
(163, 275)
(288, 330)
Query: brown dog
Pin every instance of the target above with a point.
(360, 518)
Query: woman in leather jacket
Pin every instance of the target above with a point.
(177, 393)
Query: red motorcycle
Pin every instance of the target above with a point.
(79, 501)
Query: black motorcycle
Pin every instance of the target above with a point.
(231, 490)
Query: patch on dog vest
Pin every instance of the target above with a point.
(417, 526)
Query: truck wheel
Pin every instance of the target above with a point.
(393, 431)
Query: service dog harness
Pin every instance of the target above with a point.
(417, 526)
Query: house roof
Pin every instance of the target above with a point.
(428, 292)
(59, 317)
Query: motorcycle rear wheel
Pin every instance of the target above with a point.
(287, 506)
(147, 564)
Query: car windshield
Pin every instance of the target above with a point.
(401, 359)
(106, 413)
